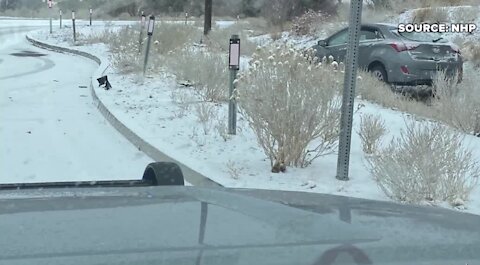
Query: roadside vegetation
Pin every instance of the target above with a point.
(291, 100)
(428, 162)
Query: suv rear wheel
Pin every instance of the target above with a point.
(379, 72)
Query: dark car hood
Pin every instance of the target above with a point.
(188, 225)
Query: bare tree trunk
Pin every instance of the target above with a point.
(207, 26)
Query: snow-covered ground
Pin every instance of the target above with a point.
(50, 130)
(234, 161)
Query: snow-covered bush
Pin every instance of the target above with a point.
(309, 23)
(206, 70)
(426, 163)
(372, 129)
(292, 105)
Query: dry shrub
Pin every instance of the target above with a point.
(430, 14)
(258, 25)
(373, 90)
(219, 39)
(206, 70)
(206, 113)
(437, 3)
(171, 36)
(372, 129)
(464, 14)
(471, 52)
(426, 163)
(457, 104)
(309, 23)
(292, 105)
(124, 49)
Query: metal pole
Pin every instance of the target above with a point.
(91, 11)
(349, 90)
(60, 18)
(74, 30)
(51, 27)
(232, 104)
(146, 54)
(142, 28)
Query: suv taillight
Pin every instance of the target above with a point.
(455, 48)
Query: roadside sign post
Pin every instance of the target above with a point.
(150, 29)
(73, 25)
(50, 12)
(142, 28)
(234, 66)
(61, 18)
(91, 13)
(349, 90)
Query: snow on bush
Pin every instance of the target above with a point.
(372, 129)
(309, 23)
(292, 105)
(426, 163)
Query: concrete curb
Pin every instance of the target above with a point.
(190, 175)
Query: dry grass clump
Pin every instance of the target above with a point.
(206, 70)
(372, 130)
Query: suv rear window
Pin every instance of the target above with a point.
(422, 36)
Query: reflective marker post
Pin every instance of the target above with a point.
(60, 18)
(349, 90)
(91, 12)
(151, 27)
(50, 11)
(234, 66)
(186, 18)
(142, 28)
(73, 24)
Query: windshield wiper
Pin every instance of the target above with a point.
(436, 40)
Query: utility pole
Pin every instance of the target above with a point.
(207, 25)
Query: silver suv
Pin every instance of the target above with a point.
(397, 58)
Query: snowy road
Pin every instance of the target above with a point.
(49, 128)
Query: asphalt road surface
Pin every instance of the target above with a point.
(49, 128)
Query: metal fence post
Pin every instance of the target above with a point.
(349, 90)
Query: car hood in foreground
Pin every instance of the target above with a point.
(189, 225)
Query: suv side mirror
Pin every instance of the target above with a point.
(322, 43)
